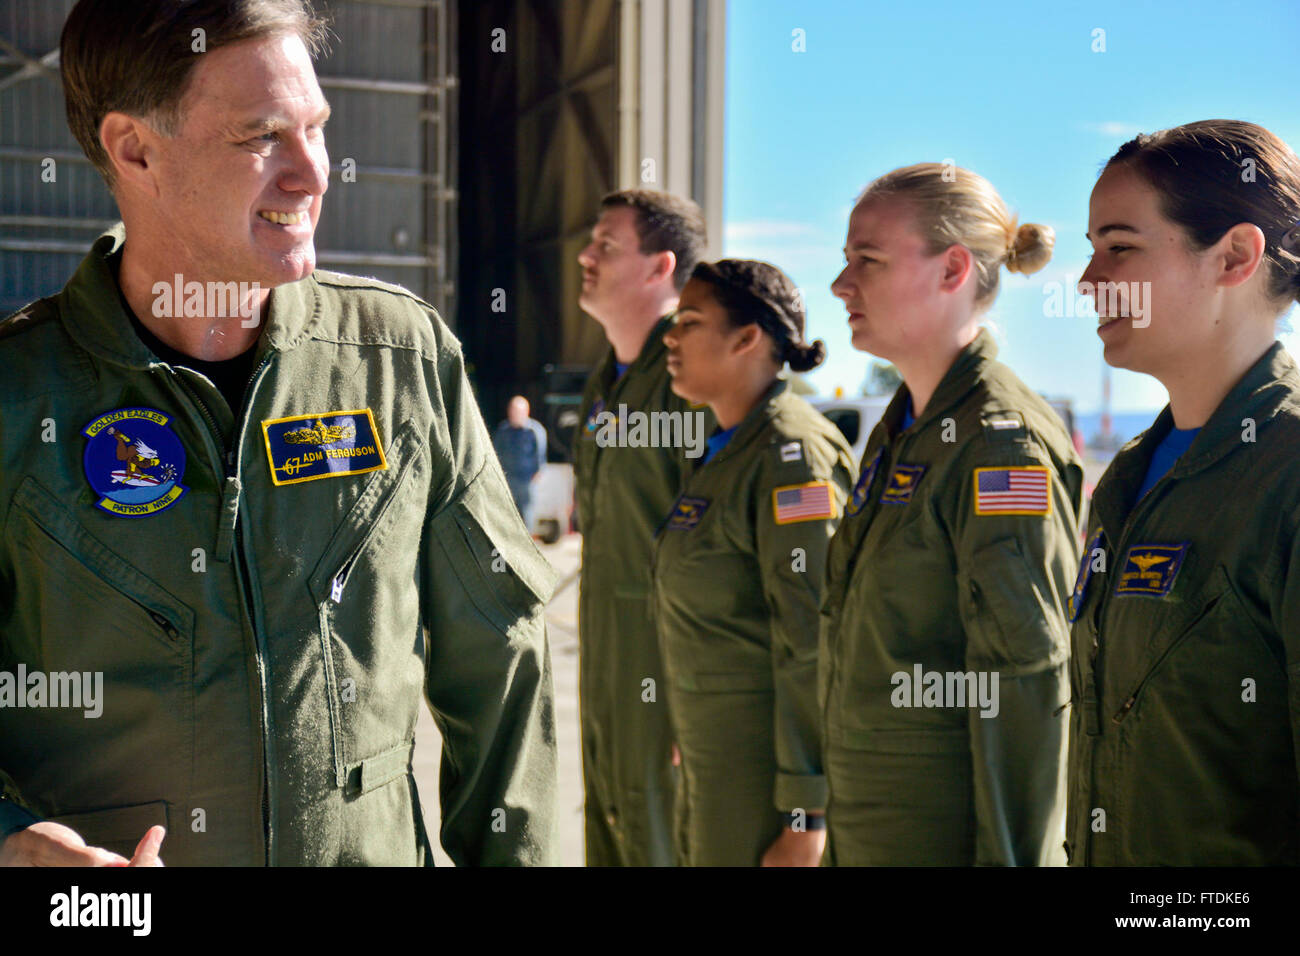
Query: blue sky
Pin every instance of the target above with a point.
(1012, 91)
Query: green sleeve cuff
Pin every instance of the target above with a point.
(801, 792)
(14, 817)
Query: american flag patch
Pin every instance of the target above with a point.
(808, 502)
(1012, 491)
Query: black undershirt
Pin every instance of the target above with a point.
(230, 376)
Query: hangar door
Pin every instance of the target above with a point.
(391, 207)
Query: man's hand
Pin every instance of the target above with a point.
(794, 848)
(53, 844)
(146, 851)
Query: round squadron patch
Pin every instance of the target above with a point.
(134, 462)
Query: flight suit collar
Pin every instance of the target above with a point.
(651, 351)
(962, 376)
(754, 420)
(1258, 396)
(92, 310)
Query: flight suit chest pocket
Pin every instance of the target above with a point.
(1190, 650)
(366, 521)
(85, 610)
(78, 578)
(367, 604)
(901, 551)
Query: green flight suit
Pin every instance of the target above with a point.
(624, 491)
(738, 572)
(341, 547)
(1185, 672)
(934, 578)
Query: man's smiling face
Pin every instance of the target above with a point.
(239, 187)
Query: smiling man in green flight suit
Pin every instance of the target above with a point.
(643, 248)
(257, 533)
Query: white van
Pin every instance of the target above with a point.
(854, 417)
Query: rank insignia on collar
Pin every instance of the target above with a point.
(792, 451)
(1150, 569)
(134, 462)
(324, 445)
(902, 482)
(862, 490)
(1075, 604)
(686, 513)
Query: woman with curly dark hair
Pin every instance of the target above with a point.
(738, 571)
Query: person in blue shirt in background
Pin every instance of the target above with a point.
(521, 445)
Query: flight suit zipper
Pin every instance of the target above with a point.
(229, 468)
(268, 740)
(1092, 706)
(870, 509)
(340, 578)
(652, 605)
(168, 628)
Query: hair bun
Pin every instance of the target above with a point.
(805, 356)
(1031, 248)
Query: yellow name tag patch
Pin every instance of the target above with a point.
(325, 445)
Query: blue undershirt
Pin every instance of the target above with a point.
(620, 368)
(1166, 454)
(718, 441)
(908, 417)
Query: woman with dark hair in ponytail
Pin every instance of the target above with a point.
(1185, 716)
(738, 571)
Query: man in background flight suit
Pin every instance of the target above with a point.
(642, 250)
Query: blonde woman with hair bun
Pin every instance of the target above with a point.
(943, 634)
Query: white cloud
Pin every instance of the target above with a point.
(1116, 128)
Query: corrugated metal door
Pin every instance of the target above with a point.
(391, 208)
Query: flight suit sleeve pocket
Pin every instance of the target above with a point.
(117, 829)
(492, 555)
(1010, 617)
